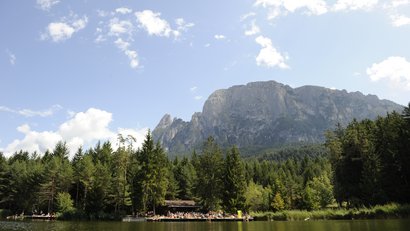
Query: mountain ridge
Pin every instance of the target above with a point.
(268, 113)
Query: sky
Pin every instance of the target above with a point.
(86, 70)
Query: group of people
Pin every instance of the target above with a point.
(202, 216)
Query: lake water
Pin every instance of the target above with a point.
(355, 225)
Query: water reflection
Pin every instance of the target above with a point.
(356, 225)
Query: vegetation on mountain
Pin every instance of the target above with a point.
(265, 115)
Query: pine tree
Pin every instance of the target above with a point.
(151, 180)
(185, 176)
(234, 182)
(209, 169)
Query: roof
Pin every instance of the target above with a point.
(180, 203)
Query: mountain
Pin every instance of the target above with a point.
(268, 114)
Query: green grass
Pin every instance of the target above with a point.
(376, 212)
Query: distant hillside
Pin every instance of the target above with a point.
(261, 115)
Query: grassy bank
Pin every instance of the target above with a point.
(376, 212)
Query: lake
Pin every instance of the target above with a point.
(354, 225)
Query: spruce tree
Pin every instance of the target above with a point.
(209, 171)
(234, 182)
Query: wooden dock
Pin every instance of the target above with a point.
(32, 217)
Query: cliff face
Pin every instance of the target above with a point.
(266, 114)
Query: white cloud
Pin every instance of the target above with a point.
(131, 54)
(12, 58)
(32, 141)
(248, 15)
(118, 27)
(84, 129)
(70, 113)
(268, 55)
(397, 3)
(400, 20)
(138, 134)
(283, 7)
(123, 10)
(47, 4)
(219, 37)
(31, 113)
(60, 31)
(253, 30)
(102, 13)
(154, 25)
(100, 38)
(193, 91)
(354, 5)
(80, 24)
(89, 125)
(394, 69)
(183, 25)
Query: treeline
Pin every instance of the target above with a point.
(102, 182)
(367, 163)
(371, 160)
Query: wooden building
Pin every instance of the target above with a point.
(175, 206)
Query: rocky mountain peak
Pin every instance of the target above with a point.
(266, 114)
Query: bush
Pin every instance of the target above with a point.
(5, 213)
(379, 211)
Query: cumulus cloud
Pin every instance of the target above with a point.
(60, 31)
(283, 7)
(219, 37)
(84, 129)
(253, 30)
(193, 89)
(400, 20)
(268, 55)
(47, 4)
(131, 54)
(354, 5)
(154, 25)
(31, 113)
(119, 30)
(118, 27)
(397, 3)
(394, 69)
(123, 10)
(89, 125)
(32, 141)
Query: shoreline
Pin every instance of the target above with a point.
(389, 211)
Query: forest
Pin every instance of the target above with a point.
(362, 164)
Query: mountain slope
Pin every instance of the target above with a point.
(266, 114)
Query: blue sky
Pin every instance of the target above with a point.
(85, 70)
